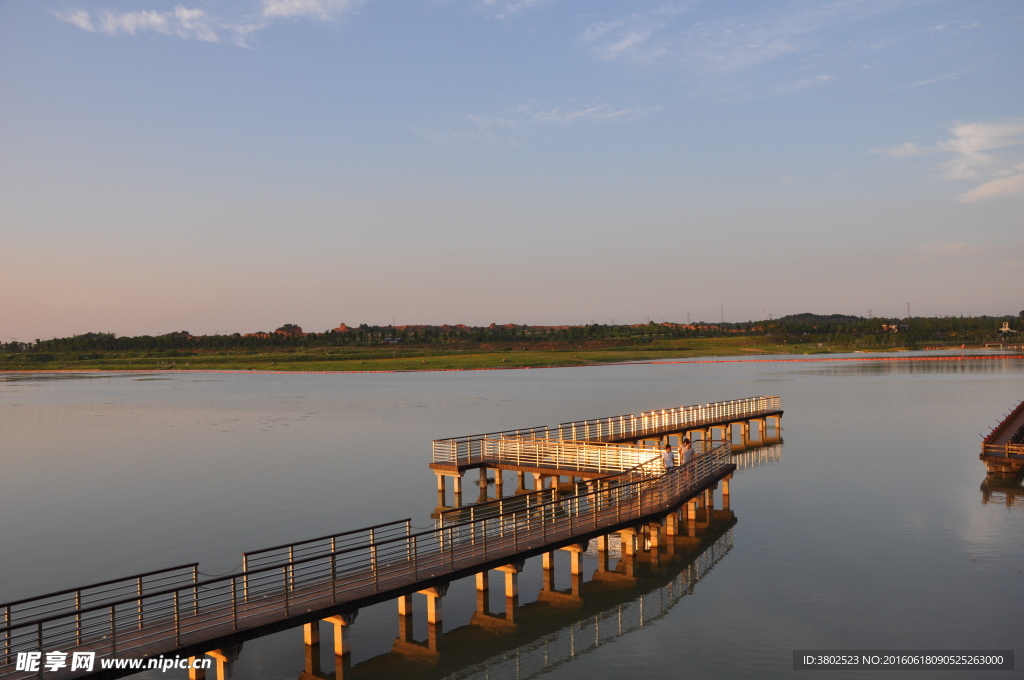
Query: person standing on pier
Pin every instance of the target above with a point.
(686, 451)
(670, 459)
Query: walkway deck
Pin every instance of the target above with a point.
(360, 568)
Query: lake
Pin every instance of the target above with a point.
(864, 529)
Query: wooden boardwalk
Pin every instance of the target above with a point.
(314, 580)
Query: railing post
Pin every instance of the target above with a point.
(195, 591)
(139, 601)
(284, 583)
(245, 577)
(234, 602)
(415, 557)
(78, 617)
(177, 618)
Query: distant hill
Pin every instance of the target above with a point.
(807, 317)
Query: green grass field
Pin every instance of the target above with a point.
(404, 358)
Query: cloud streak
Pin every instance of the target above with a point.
(196, 23)
(516, 122)
(988, 152)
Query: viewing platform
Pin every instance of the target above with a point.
(616, 487)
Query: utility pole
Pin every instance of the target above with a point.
(722, 310)
(908, 311)
(870, 316)
(687, 318)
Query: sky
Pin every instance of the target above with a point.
(235, 165)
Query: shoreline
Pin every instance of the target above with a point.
(651, 362)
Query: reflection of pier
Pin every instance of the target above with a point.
(616, 486)
(1002, 450)
(560, 625)
(757, 456)
(1006, 490)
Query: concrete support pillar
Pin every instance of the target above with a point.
(725, 492)
(483, 592)
(311, 633)
(511, 584)
(654, 532)
(405, 605)
(341, 624)
(434, 633)
(628, 538)
(691, 518)
(483, 478)
(577, 583)
(521, 480)
(195, 673)
(311, 658)
(672, 523)
(538, 481)
(575, 563)
(434, 596)
(440, 483)
(499, 485)
(224, 663)
(457, 484)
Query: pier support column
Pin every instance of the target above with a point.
(195, 673)
(434, 596)
(725, 492)
(628, 538)
(691, 518)
(602, 553)
(547, 574)
(672, 523)
(499, 485)
(311, 633)
(521, 481)
(483, 591)
(405, 618)
(341, 624)
(538, 481)
(225, 660)
(511, 578)
(654, 534)
(440, 482)
(512, 588)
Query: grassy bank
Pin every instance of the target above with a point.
(401, 358)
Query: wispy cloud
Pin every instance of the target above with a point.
(803, 84)
(324, 10)
(939, 251)
(503, 9)
(726, 45)
(988, 152)
(928, 81)
(196, 23)
(512, 125)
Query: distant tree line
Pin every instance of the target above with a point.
(836, 330)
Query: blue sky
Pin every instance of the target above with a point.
(233, 165)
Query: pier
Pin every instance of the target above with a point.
(1002, 450)
(617, 493)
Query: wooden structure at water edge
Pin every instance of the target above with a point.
(1002, 450)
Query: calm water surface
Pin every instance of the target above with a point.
(869, 533)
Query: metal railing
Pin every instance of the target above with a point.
(653, 464)
(159, 622)
(71, 601)
(468, 449)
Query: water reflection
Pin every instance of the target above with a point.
(966, 365)
(1003, 490)
(560, 625)
(758, 456)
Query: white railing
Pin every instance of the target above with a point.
(471, 449)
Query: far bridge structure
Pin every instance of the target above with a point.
(1002, 449)
(616, 488)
